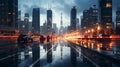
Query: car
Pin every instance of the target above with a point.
(24, 38)
(104, 35)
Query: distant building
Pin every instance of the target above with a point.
(118, 20)
(61, 30)
(77, 24)
(29, 26)
(22, 26)
(26, 17)
(55, 29)
(49, 22)
(19, 16)
(43, 29)
(68, 28)
(36, 20)
(25, 26)
(19, 19)
(26, 21)
(105, 13)
(8, 15)
(73, 18)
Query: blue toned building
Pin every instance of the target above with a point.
(73, 18)
(8, 15)
(49, 22)
(36, 20)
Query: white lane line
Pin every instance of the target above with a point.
(10, 56)
(7, 57)
(39, 58)
(86, 57)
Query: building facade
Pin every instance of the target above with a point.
(36, 20)
(77, 24)
(105, 9)
(43, 29)
(73, 18)
(61, 30)
(90, 18)
(8, 15)
(49, 22)
(118, 20)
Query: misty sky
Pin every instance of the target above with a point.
(58, 6)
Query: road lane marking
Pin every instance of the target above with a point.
(86, 57)
(39, 58)
(11, 55)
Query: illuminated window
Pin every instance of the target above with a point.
(108, 5)
(118, 24)
(9, 13)
(84, 27)
(108, 23)
(13, 13)
(23, 26)
(8, 20)
(108, 27)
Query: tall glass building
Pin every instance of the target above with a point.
(73, 18)
(8, 14)
(36, 20)
(49, 22)
(105, 9)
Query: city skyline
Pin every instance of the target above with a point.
(57, 8)
(47, 33)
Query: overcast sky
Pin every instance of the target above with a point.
(58, 6)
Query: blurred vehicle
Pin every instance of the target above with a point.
(24, 38)
(85, 36)
(104, 36)
(42, 39)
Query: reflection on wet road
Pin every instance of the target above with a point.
(57, 54)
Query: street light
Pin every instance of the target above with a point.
(92, 30)
(98, 28)
(88, 31)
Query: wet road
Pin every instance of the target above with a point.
(59, 54)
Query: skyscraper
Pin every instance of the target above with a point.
(55, 29)
(19, 16)
(19, 19)
(84, 20)
(105, 9)
(93, 16)
(90, 18)
(43, 29)
(49, 22)
(118, 20)
(73, 18)
(77, 24)
(26, 17)
(26, 21)
(24, 25)
(61, 22)
(9, 14)
(36, 20)
(61, 26)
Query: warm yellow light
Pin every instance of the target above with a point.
(98, 28)
(92, 30)
(88, 31)
(108, 5)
